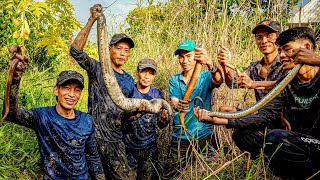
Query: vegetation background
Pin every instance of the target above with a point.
(44, 30)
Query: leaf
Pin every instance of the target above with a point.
(16, 22)
(16, 34)
(39, 8)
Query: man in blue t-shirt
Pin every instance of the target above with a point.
(188, 55)
(140, 131)
(107, 116)
(66, 136)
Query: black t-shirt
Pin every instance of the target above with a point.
(300, 103)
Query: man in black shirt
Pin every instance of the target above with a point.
(296, 153)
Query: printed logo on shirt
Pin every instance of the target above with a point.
(310, 141)
(305, 101)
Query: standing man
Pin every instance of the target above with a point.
(107, 116)
(65, 135)
(189, 54)
(140, 131)
(293, 154)
(259, 75)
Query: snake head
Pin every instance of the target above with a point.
(14, 48)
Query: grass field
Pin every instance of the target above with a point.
(157, 38)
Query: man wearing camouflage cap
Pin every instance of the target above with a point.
(140, 129)
(65, 136)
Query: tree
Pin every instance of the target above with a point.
(36, 26)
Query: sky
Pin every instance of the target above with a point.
(115, 14)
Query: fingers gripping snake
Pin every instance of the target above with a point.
(113, 88)
(255, 107)
(12, 66)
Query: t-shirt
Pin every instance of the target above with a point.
(107, 116)
(141, 133)
(67, 146)
(204, 89)
(300, 101)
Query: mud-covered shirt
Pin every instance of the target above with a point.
(275, 72)
(67, 146)
(141, 133)
(301, 102)
(107, 116)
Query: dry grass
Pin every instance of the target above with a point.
(157, 38)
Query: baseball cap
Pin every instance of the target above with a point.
(147, 63)
(121, 37)
(273, 25)
(68, 75)
(187, 45)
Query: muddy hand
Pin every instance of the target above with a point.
(95, 10)
(224, 55)
(304, 56)
(244, 80)
(182, 105)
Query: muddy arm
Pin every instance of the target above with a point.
(17, 115)
(12, 112)
(82, 37)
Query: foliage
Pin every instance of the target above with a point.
(38, 27)
(156, 30)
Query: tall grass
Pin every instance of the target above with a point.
(157, 39)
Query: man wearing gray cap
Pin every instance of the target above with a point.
(66, 136)
(107, 116)
(140, 130)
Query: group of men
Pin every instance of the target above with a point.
(109, 143)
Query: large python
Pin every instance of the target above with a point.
(113, 88)
(255, 107)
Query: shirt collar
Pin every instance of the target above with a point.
(275, 62)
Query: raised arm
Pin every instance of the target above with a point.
(82, 37)
(76, 49)
(17, 65)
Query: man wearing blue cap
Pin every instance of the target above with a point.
(188, 55)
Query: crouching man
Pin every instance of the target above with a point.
(292, 154)
(65, 136)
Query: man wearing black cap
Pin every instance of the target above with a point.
(65, 136)
(293, 154)
(140, 130)
(107, 116)
(259, 75)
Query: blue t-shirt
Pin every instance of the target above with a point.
(125, 81)
(204, 89)
(67, 146)
(141, 133)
